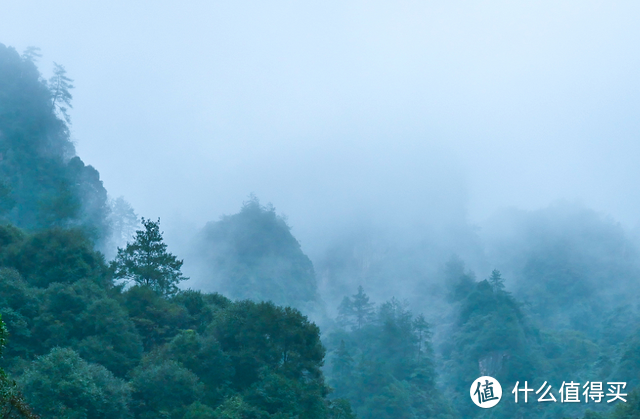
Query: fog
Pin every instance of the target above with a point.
(400, 115)
(375, 202)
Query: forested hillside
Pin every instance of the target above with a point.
(84, 335)
(83, 346)
(252, 254)
(93, 339)
(43, 183)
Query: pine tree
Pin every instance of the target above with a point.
(147, 262)
(496, 280)
(59, 86)
(32, 54)
(362, 308)
(356, 310)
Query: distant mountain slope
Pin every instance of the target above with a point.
(252, 254)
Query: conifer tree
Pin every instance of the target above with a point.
(496, 280)
(356, 310)
(59, 85)
(32, 54)
(147, 262)
(362, 308)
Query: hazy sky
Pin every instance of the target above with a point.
(413, 109)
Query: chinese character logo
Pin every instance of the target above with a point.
(486, 392)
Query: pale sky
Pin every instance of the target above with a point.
(398, 110)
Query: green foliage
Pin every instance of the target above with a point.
(200, 307)
(629, 410)
(147, 263)
(568, 353)
(163, 389)
(62, 311)
(76, 337)
(39, 257)
(156, 318)
(42, 183)
(74, 310)
(281, 396)
(571, 265)
(628, 368)
(276, 356)
(189, 354)
(384, 364)
(19, 305)
(67, 387)
(12, 404)
(6, 200)
(342, 365)
(492, 334)
(340, 409)
(109, 337)
(253, 255)
(235, 407)
(491, 337)
(10, 238)
(257, 335)
(253, 360)
(204, 356)
(198, 410)
(51, 256)
(355, 311)
(3, 335)
(186, 355)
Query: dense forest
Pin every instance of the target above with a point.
(97, 322)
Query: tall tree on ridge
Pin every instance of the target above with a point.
(147, 262)
(60, 84)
